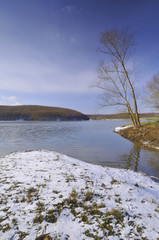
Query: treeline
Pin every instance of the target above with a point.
(39, 113)
(121, 116)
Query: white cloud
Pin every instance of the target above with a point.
(11, 100)
(26, 69)
(48, 77)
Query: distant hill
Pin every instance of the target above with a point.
(39, 113)
(120, 116)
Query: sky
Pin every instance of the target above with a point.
(48, 49)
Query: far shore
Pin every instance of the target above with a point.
(122, 116)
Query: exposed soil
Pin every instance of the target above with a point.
(147, 136)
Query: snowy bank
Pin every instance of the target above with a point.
(149, 145)
(45, 192)
(118, 129)
(147, 136)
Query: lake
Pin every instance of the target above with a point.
(90, 141)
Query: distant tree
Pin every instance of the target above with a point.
(152, 92)
(114, 74)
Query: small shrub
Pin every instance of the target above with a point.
(6, 227)
(73, 194)
(117, 215)
(73, 211)
(114, 181)
(110, 230)
(118, 200)
(91, 235)
(95, 211)
(23, 199)
(101, 205)
(40, 207)
(88, 196)
(44, 237)
(16, 200)
(54, 191)
(139, 229)
(50, 217)
(136, 185)
(72, 200)
(14, 221)
(5, 209)
(67, 179)
(32, 192)
(84, 218)
(22, 235)
(1, 219)
(38, 219)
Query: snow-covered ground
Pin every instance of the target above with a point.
(118, 129)
(45, 192)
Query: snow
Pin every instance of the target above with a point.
(118, 129)
(149, 144)
(45, 192)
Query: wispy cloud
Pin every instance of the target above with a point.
(73, 40)
(68, 9)
(11, 100)
(36, 76)
(47, 67)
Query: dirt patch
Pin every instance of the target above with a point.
(147, 136)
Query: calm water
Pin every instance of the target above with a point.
(90, 141)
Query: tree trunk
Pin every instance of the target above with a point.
(136, 116)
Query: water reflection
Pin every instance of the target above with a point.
(154, 161)
(140, 160)
(90, 141)
(134, 158)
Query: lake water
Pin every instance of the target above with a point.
(90, 141)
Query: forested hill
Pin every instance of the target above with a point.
(39, 113)
(121, 116)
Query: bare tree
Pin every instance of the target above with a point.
(152, 93)
(114, 75)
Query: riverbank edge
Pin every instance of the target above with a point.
(143, 136)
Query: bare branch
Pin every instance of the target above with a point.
(152, 94)
(114, 77)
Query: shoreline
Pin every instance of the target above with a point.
(48, 193)
(147, 136)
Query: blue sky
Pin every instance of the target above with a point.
(48, 49)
